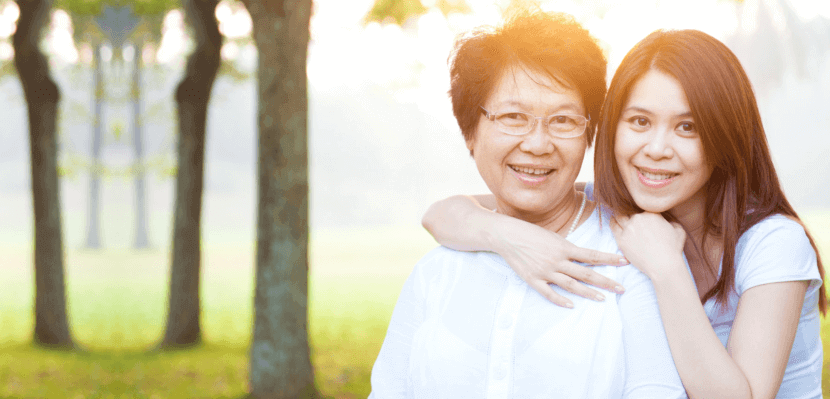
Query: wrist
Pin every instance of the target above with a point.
(668, 273)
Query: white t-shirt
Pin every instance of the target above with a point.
(466, 326)
(774, 250)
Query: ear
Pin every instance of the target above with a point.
(470, 142)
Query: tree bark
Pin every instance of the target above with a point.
(141, 239)
(280, 356)
(42, 96)
(93, 236)
(192, 97)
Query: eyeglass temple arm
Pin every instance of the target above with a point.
(487, 114)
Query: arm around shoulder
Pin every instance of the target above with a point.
(650, 369)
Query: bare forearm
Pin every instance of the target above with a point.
(461, 223)
(705, 367)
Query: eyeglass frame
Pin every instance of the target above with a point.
(492, 118)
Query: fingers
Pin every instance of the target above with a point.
(594, 257)
(588, 276)
(577, 288)
(546, 291)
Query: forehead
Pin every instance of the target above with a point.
(658, 92)
(527, 88)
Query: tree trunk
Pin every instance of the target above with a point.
(42, 96)
(93, 238)
(192, 97)
(141, 240)
(280, 358)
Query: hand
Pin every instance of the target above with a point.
(541, 257)
(649, 241)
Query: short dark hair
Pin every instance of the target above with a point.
(551, 43)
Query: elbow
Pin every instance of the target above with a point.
(432, 216)
(428, 220)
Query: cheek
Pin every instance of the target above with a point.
(622, 150)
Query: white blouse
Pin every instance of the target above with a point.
(466, 326)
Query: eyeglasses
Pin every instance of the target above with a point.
(564, 126)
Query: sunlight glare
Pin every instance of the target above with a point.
(11, 11)
(6, 51)
(234, 21)
(229, 51)
(60, 40)
(173, 38)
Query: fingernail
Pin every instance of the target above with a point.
(600, 297)
(619, 289)
(624, 261)
(569, 305)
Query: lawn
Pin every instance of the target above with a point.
(117, 307)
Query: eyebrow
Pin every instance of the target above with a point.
(569, 107)
(687, 114)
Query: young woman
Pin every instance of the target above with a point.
(682, 160)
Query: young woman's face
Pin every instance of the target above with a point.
(658, 148)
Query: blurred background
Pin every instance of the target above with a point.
(383, 145)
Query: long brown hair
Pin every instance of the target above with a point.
(743, 188)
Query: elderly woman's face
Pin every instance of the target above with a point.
(529, 175)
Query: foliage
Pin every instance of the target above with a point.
(396, 10)
(140, 7)
(7, 69)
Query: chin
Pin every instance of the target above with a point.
(653, 205)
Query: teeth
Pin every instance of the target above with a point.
(655, 176)
(531, 171)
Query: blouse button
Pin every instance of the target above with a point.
(505, 322)
(501, 372)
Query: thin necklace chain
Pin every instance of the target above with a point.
(578, 215)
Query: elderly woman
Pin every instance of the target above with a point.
(526, 97)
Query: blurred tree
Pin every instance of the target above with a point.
(192, 97)
(280, 356)
(42, 97)
(773, 38)
(94, 22)
(93, 229)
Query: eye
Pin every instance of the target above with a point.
(639, 122)
(513, 119)
(686, 127)
(562, 120)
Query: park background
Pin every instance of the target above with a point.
(383, 145)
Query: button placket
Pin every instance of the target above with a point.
(501, 346)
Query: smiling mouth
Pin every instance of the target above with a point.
(656, 180)
(531, 171)
(657, 176)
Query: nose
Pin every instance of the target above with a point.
(659, 144)
(537, 141)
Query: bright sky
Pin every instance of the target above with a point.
(414, 58)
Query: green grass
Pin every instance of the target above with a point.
(117, 301)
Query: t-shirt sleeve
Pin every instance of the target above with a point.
(649, 367)
(775, 250)
(390, 374)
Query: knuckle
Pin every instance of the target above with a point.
(571, 285)
(589, 275)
